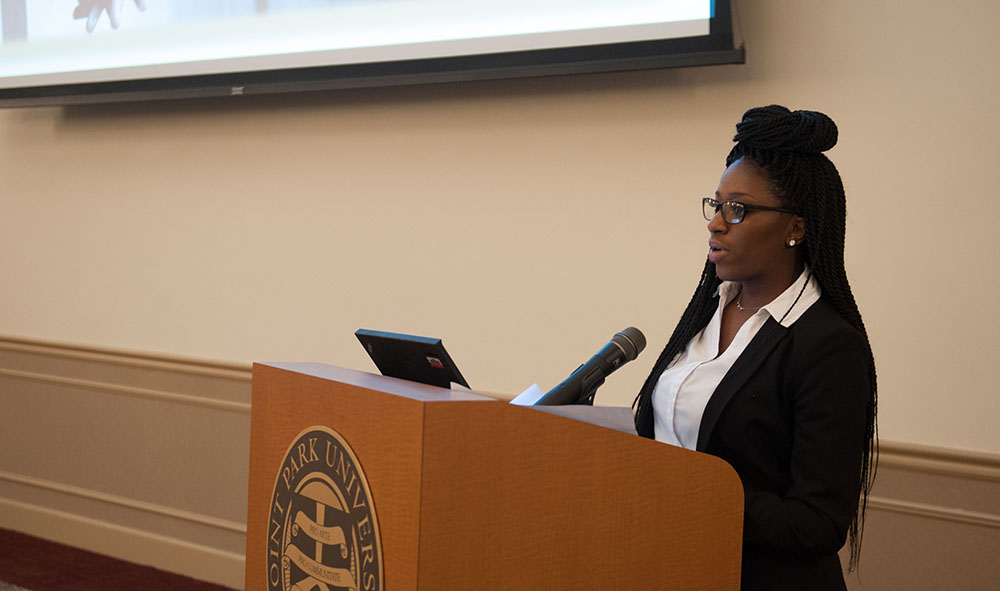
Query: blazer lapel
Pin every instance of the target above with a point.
(746, 364)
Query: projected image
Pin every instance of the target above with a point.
(39, 20)
(93, 9)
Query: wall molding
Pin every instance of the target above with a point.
(126, 357)
(119, 501)
(937, 460)
(934, 512)
(908, 456)
(135, 392)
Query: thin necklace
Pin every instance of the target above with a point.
(739, 304)
(739, 300)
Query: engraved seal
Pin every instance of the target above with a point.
(323, 533)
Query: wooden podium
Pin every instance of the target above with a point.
(471, 493)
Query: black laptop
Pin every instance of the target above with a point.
(411, 357)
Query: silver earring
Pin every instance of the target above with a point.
(791, 242)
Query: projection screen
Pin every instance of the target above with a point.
(67, 51)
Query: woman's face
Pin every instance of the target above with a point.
(756, 249)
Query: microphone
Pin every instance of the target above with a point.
(582, 384)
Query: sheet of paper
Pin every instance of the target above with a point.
(529, 397)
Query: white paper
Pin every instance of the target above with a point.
(529, 397)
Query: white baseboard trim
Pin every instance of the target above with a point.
(142, 547)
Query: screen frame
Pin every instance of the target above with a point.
(408, 357)
(716, 48)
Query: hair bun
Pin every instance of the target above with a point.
(776, 128)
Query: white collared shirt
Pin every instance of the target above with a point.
(684, 388)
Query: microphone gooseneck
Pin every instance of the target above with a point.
(582, 384)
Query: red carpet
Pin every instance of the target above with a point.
(39, 565)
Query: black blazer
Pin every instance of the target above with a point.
(789, 416)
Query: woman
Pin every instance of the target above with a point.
(769, 367)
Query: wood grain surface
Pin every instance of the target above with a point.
(472, 493)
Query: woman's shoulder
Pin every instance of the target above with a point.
(823, 322)
(823, 341)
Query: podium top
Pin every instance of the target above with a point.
(368, 381)
(618, 419)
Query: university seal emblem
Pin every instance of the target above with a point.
(323, 533)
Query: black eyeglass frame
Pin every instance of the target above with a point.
(719, 206)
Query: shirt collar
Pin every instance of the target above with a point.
(787, 307)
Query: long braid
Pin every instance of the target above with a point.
(788, 147)
(827, 251)
(696, 316)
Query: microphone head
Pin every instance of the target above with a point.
(632, 342)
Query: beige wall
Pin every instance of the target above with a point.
(522, 221)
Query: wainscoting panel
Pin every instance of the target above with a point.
(138, 456)
(145, 457)
(933, 522)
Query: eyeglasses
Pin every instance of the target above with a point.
(733, 212)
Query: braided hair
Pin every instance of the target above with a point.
(788, 146)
